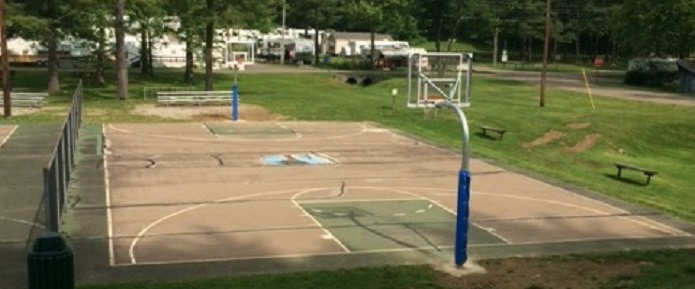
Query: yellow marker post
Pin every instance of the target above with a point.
(586, 82)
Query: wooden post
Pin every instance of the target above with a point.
(544, 70)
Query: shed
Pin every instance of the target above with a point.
(686, 75)
(338, 41)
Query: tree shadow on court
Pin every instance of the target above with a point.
(626, 180)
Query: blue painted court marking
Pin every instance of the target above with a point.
(312, 159)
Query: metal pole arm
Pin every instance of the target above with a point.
(465, 135)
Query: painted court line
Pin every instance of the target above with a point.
(297, 136)
(488, 230)
(642, 220)
(329, 201)
(141, 234)
(366, 252)
(631, 218)
(8, 135)
(21, 221)
(305, 213)
(107, 191)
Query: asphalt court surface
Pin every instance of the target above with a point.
(199, 192)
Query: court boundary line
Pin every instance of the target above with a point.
(107, 192)
(298, 136)
(9, 134)
(662, 227)
(285, 256)
(394, 250)
(391, 189)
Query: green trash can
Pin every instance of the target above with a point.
(50, 262)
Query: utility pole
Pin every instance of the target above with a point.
(544, 70)
(282, 42)
(5, 63)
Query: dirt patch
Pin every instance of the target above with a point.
(541, 273)
(547, 138)
(588, 142)
(247, 112)
(579, 125)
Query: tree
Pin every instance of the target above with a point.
(660, 28)
(313, 13)
(230, 14)
(149, 18)
(189, 12)
(121, 59)
(39, 19)
(90, 25)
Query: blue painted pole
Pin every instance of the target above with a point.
(464, 189)
(462, 215)
(235, 102)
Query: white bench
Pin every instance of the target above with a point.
(199, 98)
(26, 99)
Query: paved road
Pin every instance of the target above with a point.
(574, 82)
(559, 80)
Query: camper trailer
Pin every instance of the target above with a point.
(300, 50)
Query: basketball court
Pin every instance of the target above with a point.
(197, 192)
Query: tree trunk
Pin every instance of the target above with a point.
(144, 56)
(438, 36)
(150, 58)
(188, 73)
(372, 54)
(209, 36)
(101, 48)
(317, 49)
(454, 30)
(121, 58)
(578, 50)
(53, 81)
(523, 49)
(495, 50)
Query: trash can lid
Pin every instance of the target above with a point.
(49, 242)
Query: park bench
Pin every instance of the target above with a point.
(198, 98)
(499, 131)
(26, 99)
(648, 173)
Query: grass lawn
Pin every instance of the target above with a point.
(658, 137)
(638, 270)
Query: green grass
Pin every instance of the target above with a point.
(658, 270)
(382, 278)
(659, 137)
